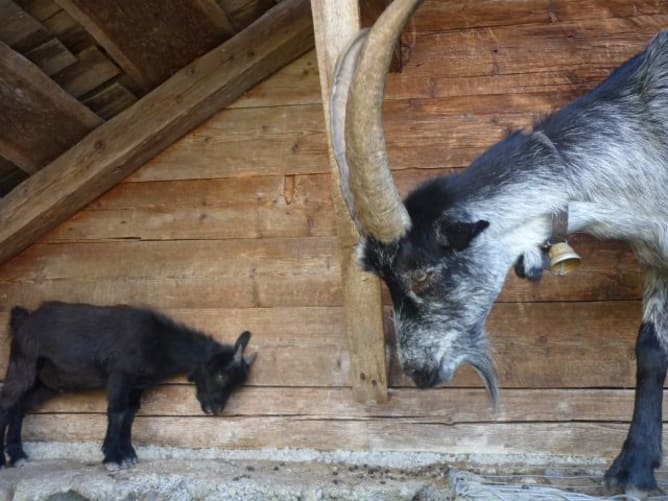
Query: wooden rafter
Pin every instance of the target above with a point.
(39, 119)
(149, 39)
(116, 148)
(335, 25)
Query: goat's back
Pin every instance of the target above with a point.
(75, 336)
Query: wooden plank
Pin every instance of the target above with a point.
(115, 149)
(297, 83)
(271, 207)
(40, 9)
(533, 48)
(255, 273)
(32, 103)
(445, 15)
(536, 345)
(441, 405)
(402, 434)
(244, 12)
(243, 207)
(69, 31)
(150, 42)
(334, 26)
(19, 29)
(91, 70)
(51, 57)
(247, 273)
(110, 100)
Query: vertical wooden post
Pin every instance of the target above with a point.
(335, 23)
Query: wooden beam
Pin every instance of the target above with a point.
(19, 29)
(39, 119)
(149, 39)
(119, 146)
(335, 25)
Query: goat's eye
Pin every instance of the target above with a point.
(420, 276)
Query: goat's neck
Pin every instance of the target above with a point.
(189, 348)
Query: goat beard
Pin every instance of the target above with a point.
(484, 366)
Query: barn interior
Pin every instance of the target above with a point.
(178, 157)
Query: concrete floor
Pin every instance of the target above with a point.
(168, 474)
(73, 472)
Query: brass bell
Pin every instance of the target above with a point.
(563, 259)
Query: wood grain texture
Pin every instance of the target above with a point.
(535, 345)
(51, 57)
(150, 42)
(19, 29)
(440, 405)
(334, 26)
(402, 434)
(121, 145)
(446, 15)
(265, 272)
(91, 70)
(33, 108)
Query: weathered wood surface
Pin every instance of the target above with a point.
(446, 15)
(18, 29)
(440, 405)
(91, 70)
(33, 108)
(401, 434)
(264, 272)
(536, 345)
(233, 227)
(110, 101)
(51, 57)
(119, 146)
(334, 26)
(149, 40)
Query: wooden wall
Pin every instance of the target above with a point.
(232, 228)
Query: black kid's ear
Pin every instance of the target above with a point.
(458, 234)
(191, 377)
(240, 345)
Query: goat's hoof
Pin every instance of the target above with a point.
(20, 462)
(128, 463)
(633, 474)
(112, 467)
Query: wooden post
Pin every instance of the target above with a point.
(335, 23)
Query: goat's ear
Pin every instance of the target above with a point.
(251, 359)
(191, 377)
(240, 345)
(458, 234)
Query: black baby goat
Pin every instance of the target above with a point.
(67, 347)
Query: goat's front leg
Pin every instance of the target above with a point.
(118, 390)
(633, 469)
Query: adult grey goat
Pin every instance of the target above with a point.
(445, 252)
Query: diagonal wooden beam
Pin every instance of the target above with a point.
(152, 39)
(39, 119)
(116, 148)
(335, 23)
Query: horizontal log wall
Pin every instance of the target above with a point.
(232, 227)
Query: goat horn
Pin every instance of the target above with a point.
(374, 199)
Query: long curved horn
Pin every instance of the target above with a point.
(380, 210)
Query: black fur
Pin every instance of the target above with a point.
(63, 347)
(641, 453)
